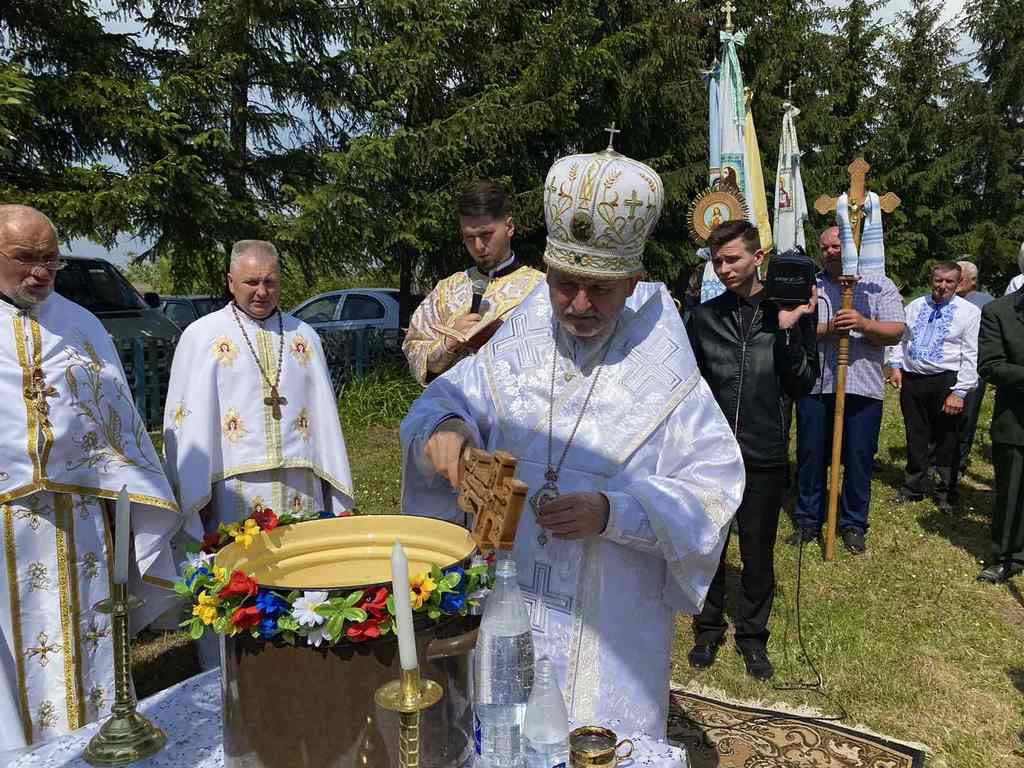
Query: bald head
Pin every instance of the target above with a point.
(254, 278)
(28, 243)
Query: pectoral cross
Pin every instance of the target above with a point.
(38, 392)
(275, 401)
(611, 135)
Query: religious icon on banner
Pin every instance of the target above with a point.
(712, 207)
(785, 202)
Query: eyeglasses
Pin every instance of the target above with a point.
(51, 265)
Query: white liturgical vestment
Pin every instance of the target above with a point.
(226, 437)
(70, 435)
(652, 439)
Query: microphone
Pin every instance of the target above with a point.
(480, 283)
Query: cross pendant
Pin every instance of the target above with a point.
(275, 401)
(548, 492)
(38, 393)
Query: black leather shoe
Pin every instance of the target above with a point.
(853, 540)
(703, 655)
(803, 536)
(759, 666)
(998, 573)
(905, 497)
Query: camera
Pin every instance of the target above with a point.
(791, 276)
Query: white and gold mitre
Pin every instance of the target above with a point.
(600, 209)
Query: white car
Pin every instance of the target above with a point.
(351, 309)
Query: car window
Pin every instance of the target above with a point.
(97, 286)
(207, 305)
(180, 313)
(319, 310)
(359, 307)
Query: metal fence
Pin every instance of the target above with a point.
(147, 363)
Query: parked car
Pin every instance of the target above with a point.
(144, 338)
(354, 308)
(183, 310)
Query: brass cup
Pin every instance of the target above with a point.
(595, 747)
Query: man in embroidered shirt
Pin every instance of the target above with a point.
(251, 421)
(968, 289)
(494, 286)
(70, 437)
(875, 321)
(633, 486)
(934, 367)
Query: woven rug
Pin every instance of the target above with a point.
(721, 735)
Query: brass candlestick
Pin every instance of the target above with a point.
(127, 736)
(409, 695)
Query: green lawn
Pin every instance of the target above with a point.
(908, 643)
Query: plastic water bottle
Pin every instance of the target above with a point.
(547, 722)
(502, 674)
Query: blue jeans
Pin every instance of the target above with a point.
(862, 423)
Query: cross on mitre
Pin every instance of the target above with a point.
(490, 491)
(611, 135)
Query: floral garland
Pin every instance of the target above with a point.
(233, 603)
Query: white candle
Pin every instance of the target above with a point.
(122, 533)
(403, 607)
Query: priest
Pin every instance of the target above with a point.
(494, 286)
(634, 474)
(70, 439)
(251, 421)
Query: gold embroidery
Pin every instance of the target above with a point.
(95, 634)
(38, 577)
(104, 445)
(302, 424)
(38, 379)
(298, 505)
(32, 426)
(269, 362)
(42, 650)
(97, 697)
(301, 350)
(91, 565)
(225, 351)
(102, 493)
(33, 512)
(233, 429)
(46, 715)
(70, 610)
(180, 414)
(16, 638)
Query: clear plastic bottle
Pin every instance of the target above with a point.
(547, 722)
(502, 674)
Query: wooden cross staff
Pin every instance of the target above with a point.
(490, 491)
(858, 171)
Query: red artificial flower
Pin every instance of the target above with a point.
(240, 585)
(265, 518)
(376, 604)
(491, 558)
(211, 542)
(247, 618)
(364, 630)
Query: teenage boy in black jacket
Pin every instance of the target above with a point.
(752, 354)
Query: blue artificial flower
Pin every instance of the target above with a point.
(456, 569)
(323, 514)
(452, 602)
(200, 571)
(268, 628)
(271, 604)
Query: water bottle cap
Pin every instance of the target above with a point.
(506, 567)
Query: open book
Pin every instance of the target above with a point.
(477, 334)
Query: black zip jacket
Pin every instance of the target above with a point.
(751, 367)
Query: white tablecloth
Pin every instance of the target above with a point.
(189, 713)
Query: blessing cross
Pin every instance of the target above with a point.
(490, 491)
(275, 401)
(611, 135)
(888, 202)
(728, 8)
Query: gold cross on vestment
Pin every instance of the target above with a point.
(43, 649)
(858, 171)
(728, 8)
(275, 401)
(611, 135)
(633, 202)
(37, 393)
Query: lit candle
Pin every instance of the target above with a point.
(122, 526)
(403, 607)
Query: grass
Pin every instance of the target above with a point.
(908, 643)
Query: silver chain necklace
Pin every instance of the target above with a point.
(275, 401)
(549, 491)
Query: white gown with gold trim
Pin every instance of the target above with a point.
(69, 433)
(652, 439)
(221, 439)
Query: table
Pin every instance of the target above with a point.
(190, 714)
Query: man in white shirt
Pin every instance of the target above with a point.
(934, 367)
(1018, 282)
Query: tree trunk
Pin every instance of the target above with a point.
(406, 262)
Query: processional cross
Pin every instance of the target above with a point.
(888, 202)
(728, 8)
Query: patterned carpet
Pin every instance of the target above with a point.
(731, 736)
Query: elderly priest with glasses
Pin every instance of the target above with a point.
(69, 436)
(633, 471)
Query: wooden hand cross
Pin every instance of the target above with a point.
(490, 491)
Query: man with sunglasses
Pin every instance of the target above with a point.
(70, 437)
